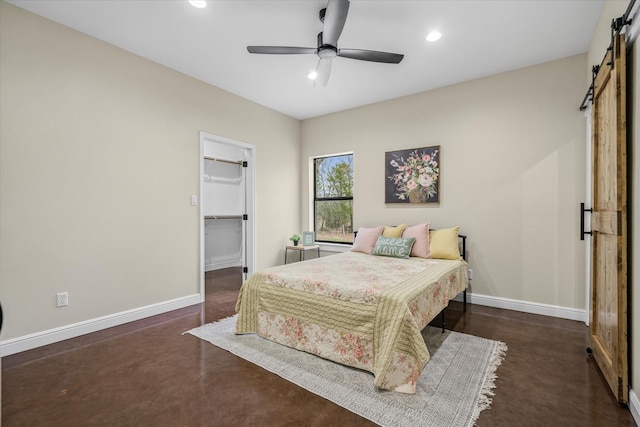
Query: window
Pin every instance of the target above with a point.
(333, 198)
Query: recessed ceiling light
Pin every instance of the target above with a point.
(433, 36)
(312, 75)
(198, 3)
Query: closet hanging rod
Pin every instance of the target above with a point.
(233, 162)
(224, 217)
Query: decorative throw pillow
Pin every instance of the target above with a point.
(421, 234)
(393, 231)
(444, 243)
(366, 239)
(393, 246)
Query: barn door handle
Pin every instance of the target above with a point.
(582, 211)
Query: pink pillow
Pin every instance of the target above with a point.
(366, 239)
(421, 234)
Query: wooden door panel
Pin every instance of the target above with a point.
(608, 328)
(607, 222)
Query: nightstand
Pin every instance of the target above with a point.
(301, 250)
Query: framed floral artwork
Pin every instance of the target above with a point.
(412, 176)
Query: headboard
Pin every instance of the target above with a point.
(462, 241)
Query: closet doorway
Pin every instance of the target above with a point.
(227, 200)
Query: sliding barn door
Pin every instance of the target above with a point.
(608, 328)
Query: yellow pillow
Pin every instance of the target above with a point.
(444, 243)
(393, 231)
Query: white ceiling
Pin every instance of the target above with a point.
(480, 38)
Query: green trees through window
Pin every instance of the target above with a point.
(333, 198)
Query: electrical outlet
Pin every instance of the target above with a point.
(470, 273)
(63, 299)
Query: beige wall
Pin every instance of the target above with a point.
(597, 49)
(512, 173)
(99, 154)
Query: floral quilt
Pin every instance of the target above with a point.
(360, 310)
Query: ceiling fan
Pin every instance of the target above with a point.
(333, 18)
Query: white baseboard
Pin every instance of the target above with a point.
(526, 306)
(50, 336)
(223, 264)
(634, 406)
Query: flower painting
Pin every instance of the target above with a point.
(413, 176)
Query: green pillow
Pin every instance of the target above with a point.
(399, 247)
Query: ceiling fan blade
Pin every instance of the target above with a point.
(323, 70)
(281, 50)
(334, 19)
(371, 55)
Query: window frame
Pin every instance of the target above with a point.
(329, 199)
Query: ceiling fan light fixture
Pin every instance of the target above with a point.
(434, 36)
(312, 75)
(198, 3)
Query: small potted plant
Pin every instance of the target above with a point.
(295, 239)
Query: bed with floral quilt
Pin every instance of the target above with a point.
(362, 308)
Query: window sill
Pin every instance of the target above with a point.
(334, 247)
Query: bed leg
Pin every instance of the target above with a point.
(442, 318)
(464, 296)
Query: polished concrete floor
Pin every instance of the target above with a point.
(147, 373)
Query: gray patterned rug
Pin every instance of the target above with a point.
(455, 386)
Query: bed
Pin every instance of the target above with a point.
(354, 308)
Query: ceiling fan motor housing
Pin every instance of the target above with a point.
(326, 50)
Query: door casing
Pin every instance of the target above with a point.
(207, 140)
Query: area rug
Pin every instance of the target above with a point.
(455, 386)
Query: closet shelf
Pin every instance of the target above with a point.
(211, 178)
(224, 217)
